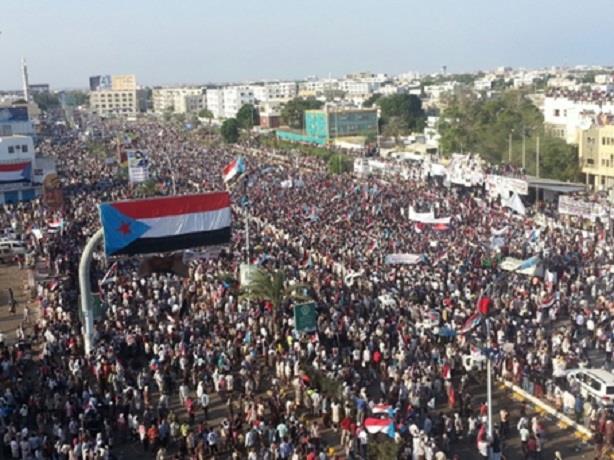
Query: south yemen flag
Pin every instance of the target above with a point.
(15, 172)
(166, 224)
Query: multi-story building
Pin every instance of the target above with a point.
(275, 91)
(114, 95)
(568, 112)
(236, 97)
(15, 120)
(596, 152)
(178, 100)
(313, 88)
(21, 172)
(225, 102)
(324, 126)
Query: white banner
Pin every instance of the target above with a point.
(420, 216)
(405, 259)
(580, 208)
(427, 218)
(502, 185)
(465, 170)
(138, 166)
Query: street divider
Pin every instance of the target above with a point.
(566, 421)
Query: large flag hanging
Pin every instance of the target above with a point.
(471, 323)
(233, 169)
(16, 172)
(166, 224)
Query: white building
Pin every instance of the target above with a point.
(568, 112)
(355, 88)
(275, 91)
(17, 185)
(118, 99)
(15, 120)
(225, 102)
(178, 100)
(485, 83)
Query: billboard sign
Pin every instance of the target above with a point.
(13, 114)
(100, 83)
(138, 166)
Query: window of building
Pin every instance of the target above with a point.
(24, 148)
(11, 149)
(557, 112)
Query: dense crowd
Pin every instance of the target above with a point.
(188, 368)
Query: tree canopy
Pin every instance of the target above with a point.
(401, 113)
(248, 116)
(371, 100)
(46, 101)
(483, 126)
(293, 112)
(230, 130)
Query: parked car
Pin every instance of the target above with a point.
(11, 248)
(596, 385)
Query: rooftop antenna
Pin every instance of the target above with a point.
(24, 76)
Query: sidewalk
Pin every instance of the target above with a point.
(12, 277)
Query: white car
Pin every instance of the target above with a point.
(594, 384)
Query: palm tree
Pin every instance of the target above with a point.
(272, 287)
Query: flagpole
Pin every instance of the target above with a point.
(489, 388)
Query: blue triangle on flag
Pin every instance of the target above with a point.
(119, 230)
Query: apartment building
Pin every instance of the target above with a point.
(596, 152)
(566, 112)
(178, 100)
(225, 102)
(114, 95)
(275, 91)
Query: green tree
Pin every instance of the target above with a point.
(46, 101)
(75, 98)
(404, 110)
(371, 100)
(483, 126)
(293, 112)
(167, 115)
(339, 164)
(274, 288)
(248, 117)
(206, 113)
(230, 130)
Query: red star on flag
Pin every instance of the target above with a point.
(124, 228)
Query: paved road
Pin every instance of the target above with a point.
(11, 277)
(557, 437)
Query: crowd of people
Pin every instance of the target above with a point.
(184, 366)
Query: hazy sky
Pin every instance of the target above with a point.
(198, 41)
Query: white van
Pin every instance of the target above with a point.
(10, 248)
(594, 384)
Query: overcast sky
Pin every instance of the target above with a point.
(198, 41)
